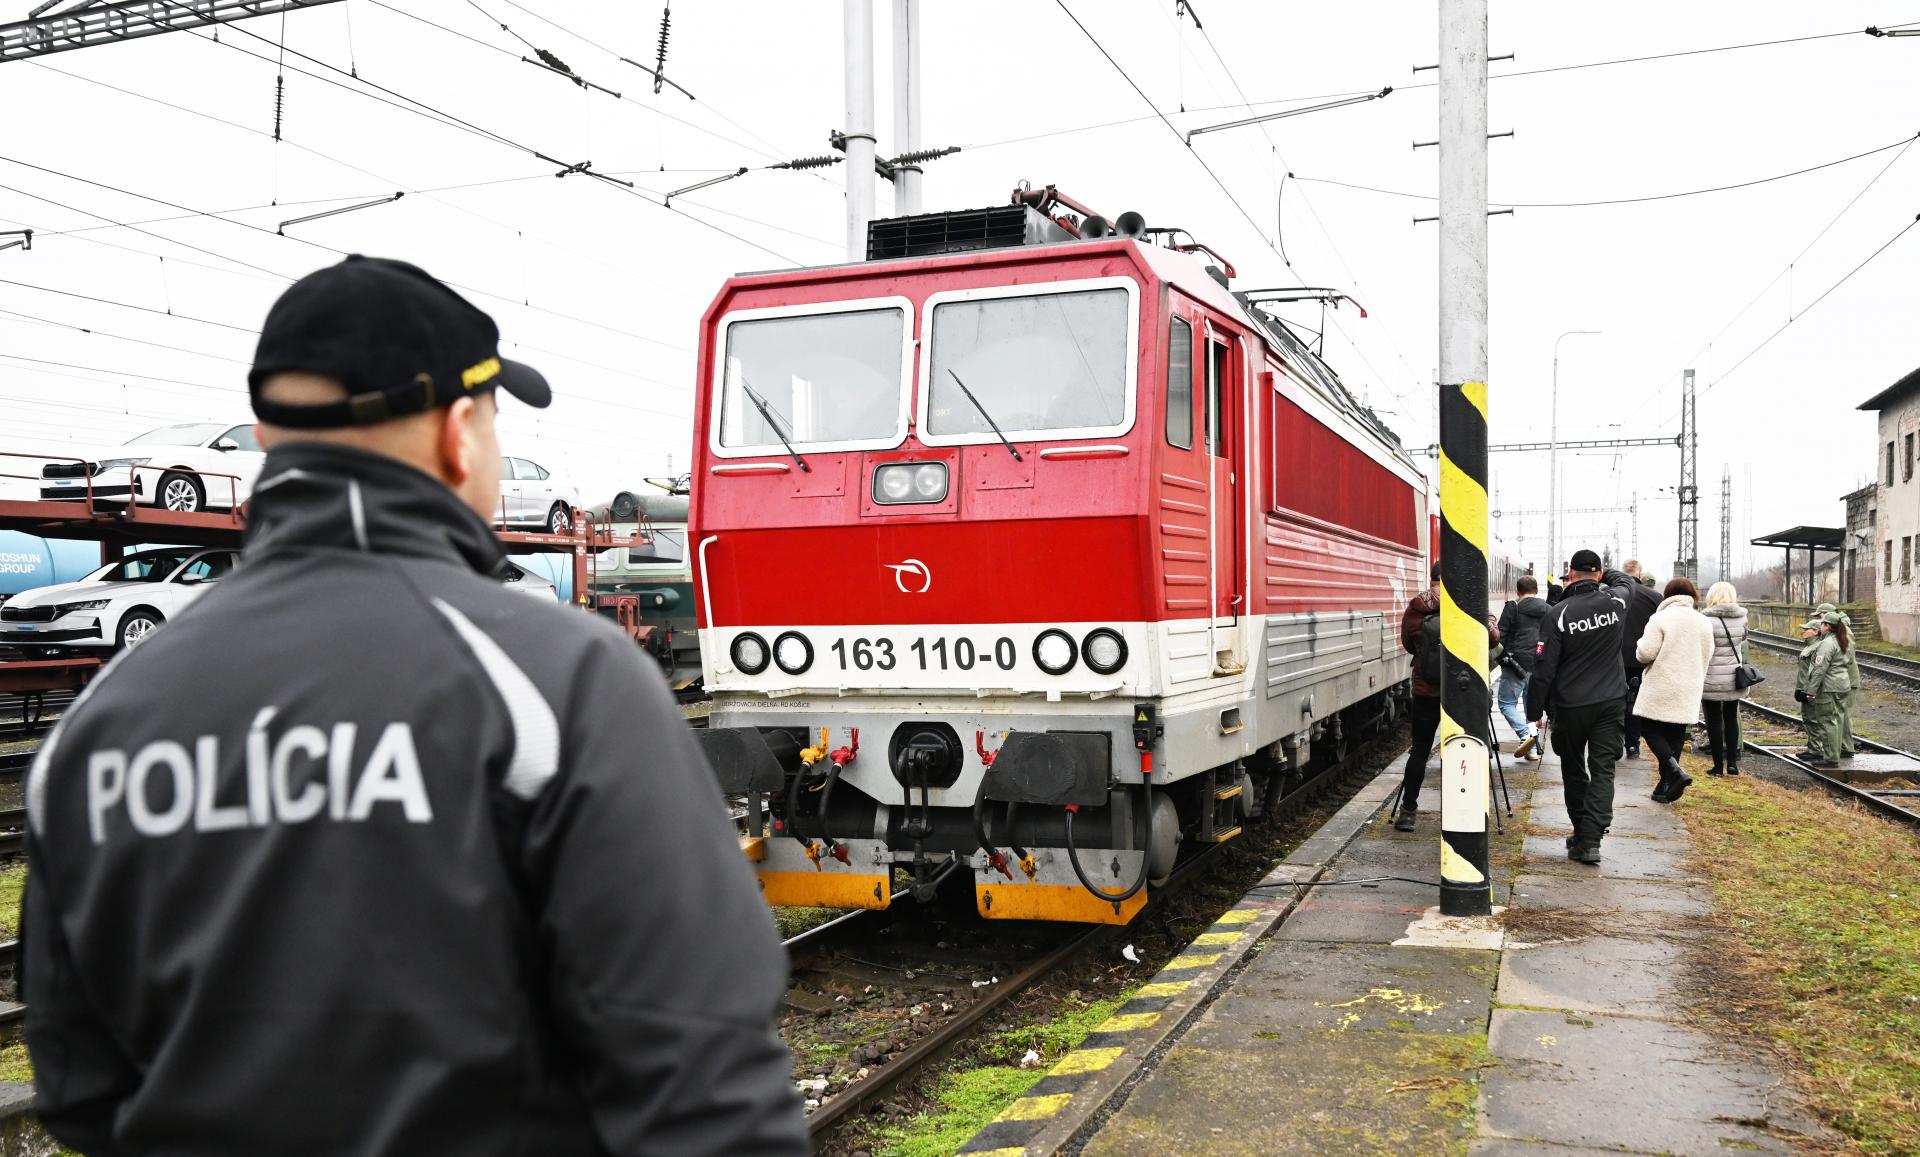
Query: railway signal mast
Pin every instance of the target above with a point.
(1465, 703)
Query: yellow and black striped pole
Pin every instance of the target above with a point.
(1465, 703)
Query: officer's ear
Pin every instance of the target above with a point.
(469, 453)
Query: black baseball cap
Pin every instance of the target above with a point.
(400, 340)
(1584, 560)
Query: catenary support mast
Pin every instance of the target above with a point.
(1686, 560)
(906, 105)
(859, 130)
(1464, 700)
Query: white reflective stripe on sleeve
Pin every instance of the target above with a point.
(536, 733)
(358, 509)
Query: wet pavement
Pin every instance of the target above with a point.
(1362, 1023)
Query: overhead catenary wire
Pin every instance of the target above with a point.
(1768, 340)
(261, 229)
(1700, 192)
(426, 194)
(1516, 75)
(1214, 176)
(431, 112)
(1795, 260)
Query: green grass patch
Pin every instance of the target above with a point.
(13, 881)
(15, 1065)
(793, 921)
(1825, 900)
(966, 1100)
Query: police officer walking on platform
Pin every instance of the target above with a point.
(369, 855)
(1580, 680)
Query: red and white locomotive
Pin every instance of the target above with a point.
(1028, 553)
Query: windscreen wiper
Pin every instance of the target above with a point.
(984, 414)
(760, 404)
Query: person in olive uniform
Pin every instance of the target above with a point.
(1821, 686)
(1853, 676)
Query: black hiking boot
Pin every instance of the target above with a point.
(1406, 819)
(1585, 853)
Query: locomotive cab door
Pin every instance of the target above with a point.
(1224, 421)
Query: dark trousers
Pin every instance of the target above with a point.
(1587, 740)
(1633, 722)
(1723, 731)
(1663, 739)
(1425, 718)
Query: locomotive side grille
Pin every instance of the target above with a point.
(930, 234)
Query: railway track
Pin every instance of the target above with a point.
(936, 1044)
(1900, 801)
(30, 716)
(1897, 668)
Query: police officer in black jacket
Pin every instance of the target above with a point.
(369, 855)
(1580, 681)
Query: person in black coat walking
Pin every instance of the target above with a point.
(1642, 600)
(1520, 634)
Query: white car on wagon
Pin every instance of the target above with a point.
(530, 494)
(119, 605)
(190, 467)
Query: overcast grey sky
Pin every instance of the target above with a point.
(603, 288)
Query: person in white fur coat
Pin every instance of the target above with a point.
(1676, 648)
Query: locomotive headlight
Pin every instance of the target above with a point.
(749, 652)
(1055, 651)
(793, 653)
(1105, 650)
(892, 484)
(899, 483)
(930, 481)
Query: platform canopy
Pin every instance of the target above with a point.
(1805, 538)
(1812, 539)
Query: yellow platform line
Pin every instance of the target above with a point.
(1086, 1061)
(1238, 916)
(1035, 1108)
(1182, 963)
(1128, 1021)
(1216, 938)
(1163, 988)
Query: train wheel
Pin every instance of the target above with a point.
(1163, 838)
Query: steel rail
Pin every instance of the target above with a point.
(936, 1044)
(1867, 798)
(1878, 663)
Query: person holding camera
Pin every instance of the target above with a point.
(1520, 633)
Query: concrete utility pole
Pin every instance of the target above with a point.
(1465, 702)
(906, 105)
(859, 130)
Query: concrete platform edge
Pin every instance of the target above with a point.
(1098, 1075)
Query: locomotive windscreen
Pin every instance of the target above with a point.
(814, 379)
(1037, 363)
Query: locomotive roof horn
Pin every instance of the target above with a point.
(1094, 227)
(1130, 224)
